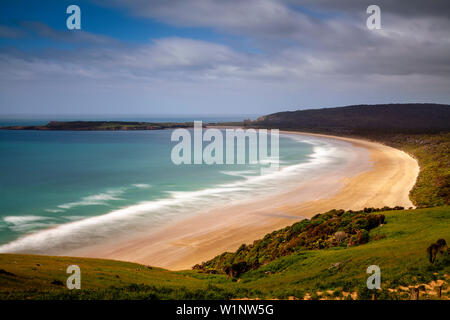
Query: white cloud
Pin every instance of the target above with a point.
(255, 16)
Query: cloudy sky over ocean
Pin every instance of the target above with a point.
(216, 57)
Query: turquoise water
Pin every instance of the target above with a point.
(97, 186)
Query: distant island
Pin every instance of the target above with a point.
(101, 126)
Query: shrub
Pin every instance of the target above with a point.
(325, 230)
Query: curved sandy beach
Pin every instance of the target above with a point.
(386, 182)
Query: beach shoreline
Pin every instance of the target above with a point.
(386, 182)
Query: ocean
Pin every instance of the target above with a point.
(63, 190)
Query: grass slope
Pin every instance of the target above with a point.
(401, 256)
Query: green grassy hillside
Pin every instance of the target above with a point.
(332, 272)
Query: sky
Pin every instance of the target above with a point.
(220, 56)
